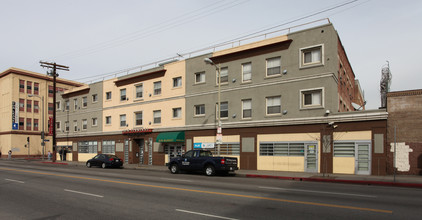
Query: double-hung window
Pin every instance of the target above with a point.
(273, 105)
(311, 98)
(138, 118)
(224, 110)
(247, 108)
(84, 102)
(139, 91)
(177, 82)
(122, 120)
(84, 124)
(199, 110)
(224, 75)
(94, 122)
(157, 117)
(67, 105)
(177, 112)
(311, 55)
(94, 98)
(123, 95)
(199, 77)
(108, 95)
(108, 120)
(246, 72)
(75, 104)
(274, 66)
(157, 88)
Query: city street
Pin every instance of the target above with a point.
(32, 190)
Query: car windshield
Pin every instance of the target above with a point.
(205, 154)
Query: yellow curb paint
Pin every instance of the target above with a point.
(210, 192)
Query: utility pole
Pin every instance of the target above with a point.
(54, 67)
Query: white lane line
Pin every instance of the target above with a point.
(203, 214)
(177, 180)
(311, 191)
(83, 193)
(17, 181)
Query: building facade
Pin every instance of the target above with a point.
(27, 99)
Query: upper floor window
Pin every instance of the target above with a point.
(50, 108)
(311, 98)
(311, 55)
(123, 95)
(108, 120)
(273, 105)
(36, 124)
(122, 120)
(139, 91)
(28, 124)
(36, 106)
(224, 112)
(94, 122)
(138, 118)
(75, 126)
(66, 126)
(247, 108)
(28, 87)
(75, 104)
(177, 112)
(21, 85)
(157, 88)
(58, 105)
(50, 91)
(84, 102)
(58, 125)
(67, 105)
(21, 123)
(157, 117)
(108, 95)
(94, 98)
(274, 66)
(36, 88)
(84, 124)
(200, 77)
(199, 110)
(224, 75)
(21, 104)
(246, 72)
(177, 82)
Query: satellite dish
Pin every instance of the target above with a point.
(356, 106)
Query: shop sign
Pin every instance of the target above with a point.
(203, 145)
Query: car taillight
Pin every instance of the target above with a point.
(111, 159)
(222, 161)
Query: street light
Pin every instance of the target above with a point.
(42, 116)
(219, 132)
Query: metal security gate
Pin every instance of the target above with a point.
(141, 151)
(126, 151)
(363, 158)
(311, 158)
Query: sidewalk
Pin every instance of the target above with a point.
(400, 180)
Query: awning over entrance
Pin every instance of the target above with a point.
(178, 136)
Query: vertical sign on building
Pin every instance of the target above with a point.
(50, 125)
(15, 117)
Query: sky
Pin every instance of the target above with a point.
(97, 38)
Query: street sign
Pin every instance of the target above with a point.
(219, 139)
(45, 140)
(15, 126)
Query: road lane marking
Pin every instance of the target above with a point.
(209, 192)
(176, 180)
(312, 191)
(17, 181)
(83, 193)
(203, 214)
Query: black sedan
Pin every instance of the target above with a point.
(104, 161)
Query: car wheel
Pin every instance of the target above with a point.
(174, 169)
(103, 165)
(209, 170)
(88, 165)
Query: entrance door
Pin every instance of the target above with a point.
(363, 158)
(311, 158)
(141, 151)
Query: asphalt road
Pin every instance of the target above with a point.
(30, 190)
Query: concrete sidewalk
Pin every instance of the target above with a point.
(400, 180)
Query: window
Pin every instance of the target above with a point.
(84, 124)
(84, 102)
(224, 112)
(247, 108)
(67, 105)
(157, 117)
(273, 66)
(28, 124)
(273, 105)
(36, 124)
(108, 147)
(21, 85)
(58, 105)
(89, 147)
(58, 125)
(21, 104)
(199, 110)
(28, 105)
(311, 56)
(123, 95)
(108, 120)
(281, 149)
(344, 149)
(122, 120)
(311, 98)
(138, 118)
(224, 75)
(50, 91)
(157, 88)
(200, 77)
(94, 122)
(36, 107)
(66, 126)
(75, 126)
(228, 149)
(75, 104)
(50, 108)
(108, 95)
(139, 91)
(36, 88)
(29, 87)
(21, 123)
(246, 72)
(177, 112)
(177, 82)
(94, 98)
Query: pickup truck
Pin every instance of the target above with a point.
(202, 160)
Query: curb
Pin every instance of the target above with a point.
(361, 182)
(55, 163)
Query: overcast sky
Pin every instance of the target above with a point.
(96, 37)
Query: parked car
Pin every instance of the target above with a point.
(104, 161)
(202, 160)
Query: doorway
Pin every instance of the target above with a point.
(311, 158)
(139, 151)
(363, 158)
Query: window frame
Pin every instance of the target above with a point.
(75, 104)
(304, 92)
(267, 68)
(243, 108)
(221, 76)
(177, 82)
(156, 120)
(92, 122)
(243, 72)
(221, 104)
(125, 120)
(94, 100)
(266, 105)
(200, 74)
(140, 85)
(108, 96)
(178, 110)
(85, 102)
(304, 50)
(136, 118)
(108, 120)
(123, 95)
(157, 91)
(84, 123)
(195, 110)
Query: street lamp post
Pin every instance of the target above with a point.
(219, 131)
(43, 123)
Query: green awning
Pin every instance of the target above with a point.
(178, 136)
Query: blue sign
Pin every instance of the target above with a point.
(197, 145)
(15, 126)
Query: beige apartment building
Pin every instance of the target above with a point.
(27, 99)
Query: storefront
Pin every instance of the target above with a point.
(173, 144)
